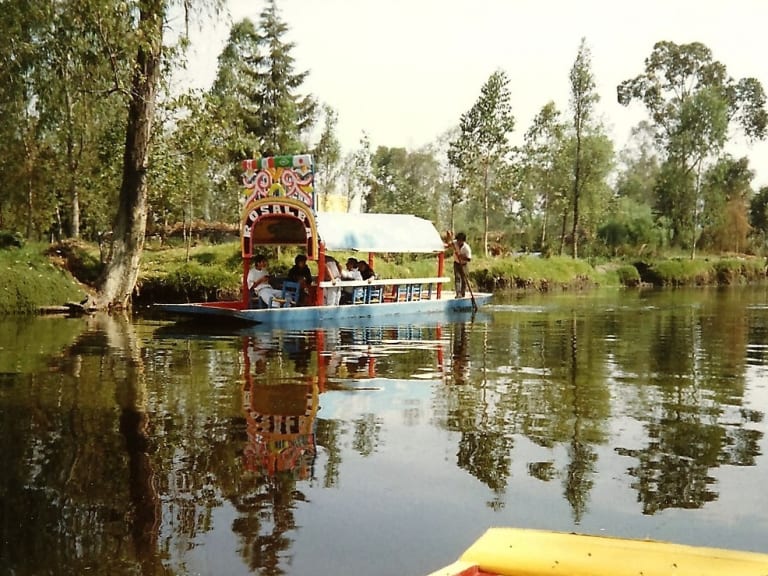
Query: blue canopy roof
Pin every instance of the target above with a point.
(378, 233)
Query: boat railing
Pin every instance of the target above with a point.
(391, 289)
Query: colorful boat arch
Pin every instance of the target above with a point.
(278, 221)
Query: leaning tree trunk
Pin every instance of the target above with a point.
(130, 224)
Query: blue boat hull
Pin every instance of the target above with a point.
(324, 315)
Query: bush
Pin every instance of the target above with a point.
(10, 239)
(190, 282)
(628, 275)
(30, 281)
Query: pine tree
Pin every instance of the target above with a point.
(275, 114)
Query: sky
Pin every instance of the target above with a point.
(404, 71)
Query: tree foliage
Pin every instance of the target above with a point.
(274, 112)
(582, 102)
(692, 102)
(482, 150)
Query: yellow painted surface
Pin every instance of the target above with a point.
(520, 552)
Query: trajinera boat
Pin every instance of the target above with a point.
(523, 552)
(280, 209)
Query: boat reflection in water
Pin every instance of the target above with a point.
(281, 412)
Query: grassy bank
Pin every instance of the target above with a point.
(31, 279)
(36, 275)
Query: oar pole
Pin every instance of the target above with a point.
(469, 286)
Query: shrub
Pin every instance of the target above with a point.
(628, 275)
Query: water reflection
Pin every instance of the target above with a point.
(148, 447)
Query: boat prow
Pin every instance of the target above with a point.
(523, 552)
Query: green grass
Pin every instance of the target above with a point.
(30, 280)
(40, 275)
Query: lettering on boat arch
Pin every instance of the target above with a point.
(278, 221)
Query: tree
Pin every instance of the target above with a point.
(583, 99)
(275, 114)
(402, 182)
(758, 214)
(726, 191)
(327, 154)
(692, 102)
(122, 270)
(639, 170)
(358, 173)
(482, 146)
(545, 167)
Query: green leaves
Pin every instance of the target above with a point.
(692, 102)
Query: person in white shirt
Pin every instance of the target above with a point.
(462, 254)
(351, 273)
(258, 282)
(332, 295)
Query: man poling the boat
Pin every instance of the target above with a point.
(462, 254)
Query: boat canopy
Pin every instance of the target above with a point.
(366, 232)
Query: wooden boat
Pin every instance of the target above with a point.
(521, 552)
(280, 210)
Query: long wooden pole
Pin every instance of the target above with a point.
(469, 285)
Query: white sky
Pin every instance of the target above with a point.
(405, 70)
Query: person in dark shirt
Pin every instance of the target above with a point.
(365, 271)
(301, 273)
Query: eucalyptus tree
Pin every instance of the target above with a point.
(638, 166)
(327, 154)
(357, 172)
(402, 182)
(582, 103)
(148, 18)
(25, 149)
(482, 147)
(727, 191)
(274, 112)
(758, 216)
(544, 168)
(692, 102)
(447, 193)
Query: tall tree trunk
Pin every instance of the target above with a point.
(72, 161)
(576, 193)
(485, 206)
(130, 224)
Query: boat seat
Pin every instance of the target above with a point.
(289, 297)
(359, 295)
(414, 292)
(374, 294)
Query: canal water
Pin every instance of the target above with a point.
(143, 446)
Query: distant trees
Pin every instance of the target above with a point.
(94, 141)
(692, 101)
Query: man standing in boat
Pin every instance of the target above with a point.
(462, 254)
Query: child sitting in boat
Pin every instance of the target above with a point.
(258, 282)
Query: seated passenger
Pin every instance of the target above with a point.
(365, 270)
(258, 282)
(301, 274)
(331, 295)
(351, 273)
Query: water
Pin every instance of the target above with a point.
(147, 447)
